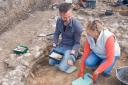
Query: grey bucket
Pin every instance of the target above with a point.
(122, 75)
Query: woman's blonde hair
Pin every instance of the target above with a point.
(95, 25)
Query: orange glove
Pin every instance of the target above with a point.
(95, 75)
(81, 74)
(82, 69)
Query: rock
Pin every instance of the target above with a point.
(26, 63)
(12, 61)
(2, 67)
(1, 49)
(4, 80)
(21, 68)
(114, 26)
(25, 59)
(80, 17)
(54, 7)
(19, 57)
(124, 36)
(5, 83)
(56, 17)
(42, 35)
(28, 57)
(37, 48)
(37, 54)
(36, 51)
(53, 25)
(12, 56)
(27, 73)
(15, 77)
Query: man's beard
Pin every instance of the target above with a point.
(66, 22)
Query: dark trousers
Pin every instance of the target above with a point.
(91, 4)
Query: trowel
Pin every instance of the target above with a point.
(87, 80)
(45, 35)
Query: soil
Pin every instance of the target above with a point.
(26, 32)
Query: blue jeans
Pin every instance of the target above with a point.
(93, 61)
(62, 65)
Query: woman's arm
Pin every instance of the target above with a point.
(110, 45)
(84, 57)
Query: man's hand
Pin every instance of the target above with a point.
(54, 45)
(70, 62)
(72, 52)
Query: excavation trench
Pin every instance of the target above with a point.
(39, 69)
(40, 72)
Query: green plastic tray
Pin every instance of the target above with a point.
(20, 49)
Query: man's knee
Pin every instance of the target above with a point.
(63, 67)
(67, 54)
(53, 62)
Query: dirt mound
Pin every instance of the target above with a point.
(13, 11)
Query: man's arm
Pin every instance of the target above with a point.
(56, 34)
(77, 36)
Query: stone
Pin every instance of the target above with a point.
(2, 67)
(21, 68)
(37, 54)
(80, 17)
(26, 73)
(23, 62)
(42, 35)
(15, 77)
(56, 17)
(11, 61)
(1, 49)
(5, 83)
(36, 51)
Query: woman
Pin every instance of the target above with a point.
(101, 50)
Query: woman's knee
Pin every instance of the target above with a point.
(107, 72)
(89, 63)
(92, 60)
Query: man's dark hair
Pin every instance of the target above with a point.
(64, 7)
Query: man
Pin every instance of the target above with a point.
(90, 4)
(122, 2)
(70, 30)
(125, 2)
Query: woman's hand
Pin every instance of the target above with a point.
(95, 75)
(80, 74)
